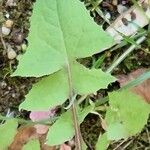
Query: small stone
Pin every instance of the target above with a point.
(108, 15)
(5, 30)
(121, 9)
(9, 88)
(115, 2)
(10, 3)
(13, 95)
(3, 84)
(124, 2)
(8, 23)
(23, 47)
(18, 48)
(7, 15)
(11, 54)
(18, 36)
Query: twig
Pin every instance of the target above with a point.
(120, 144)
(124, 55)
(127, 144)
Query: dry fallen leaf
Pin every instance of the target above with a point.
(38, 131)
(25, 134)
(142, 89)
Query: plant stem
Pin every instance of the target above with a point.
(74, 112)
(77, 128)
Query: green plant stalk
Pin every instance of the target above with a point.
(124, 55)
(77, 128)
(74, 112)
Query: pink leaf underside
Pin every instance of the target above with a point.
(41, 115)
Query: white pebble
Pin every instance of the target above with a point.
(108, 15)
(10, 3)
(5, 30)
(121, 9)
(8, 23)
(7, 15)
(3, 84)
(115, 2)
(23, 47)
(13, 95)
(11, 54)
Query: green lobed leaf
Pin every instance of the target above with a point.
(87, 81)
(57, 38)
(63, 128)
(48, 92)
(32, 145)
(124, 113)
(7, 133)
(54, 90)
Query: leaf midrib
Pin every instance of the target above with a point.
(66, 54)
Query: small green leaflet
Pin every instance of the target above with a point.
(63, 129)
(32, 145)
(124, 113)
(57, 38)
(7, 133)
